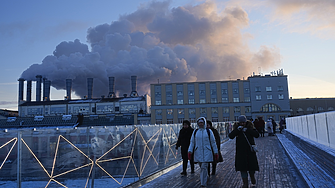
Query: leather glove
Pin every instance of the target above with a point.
(245, 129)
(216, 157)
(189, 155)
(240, 128)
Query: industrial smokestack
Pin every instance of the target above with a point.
(111, 93)
(46, 92)
(38, 87)
(133, 86)
(29, 90)
(44, 89)
(89, 87)
(21, 85)
(68, 88)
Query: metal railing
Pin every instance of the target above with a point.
(109, 156)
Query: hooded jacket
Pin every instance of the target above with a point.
(200, 144)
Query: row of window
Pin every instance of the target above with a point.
(99, 109)
(268, 88)
(214, 110)
(319, 109)
(270, 107)
(223, 91)
(269, 97)
(192, 120)
(214, 100)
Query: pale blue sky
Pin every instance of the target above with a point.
(31, 30)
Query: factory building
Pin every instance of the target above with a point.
(134, 108)
(259, 96)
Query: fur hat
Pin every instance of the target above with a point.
(202, 119)
(242, 118)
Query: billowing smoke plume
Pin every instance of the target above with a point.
(183, 44)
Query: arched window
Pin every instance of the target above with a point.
(330, 108)
(300, 110)
(270, 107)
(320, 109)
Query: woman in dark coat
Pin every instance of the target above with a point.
(184, 138)
(274, 125)
(245, 160)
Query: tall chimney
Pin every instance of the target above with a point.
(21, 85)
(68, 88)
(38, 87)
(89, 88)
(44, 89)
(46, 92)
(111, 93)
(29, 90)
(133, 86)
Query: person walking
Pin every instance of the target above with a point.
(258, 125)
(204, 148)
(281, 125)
(245, 160)
(274, 126)
(184, 142)
(269, 127)
(218, 142)
(261, 125)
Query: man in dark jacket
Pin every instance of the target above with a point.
(274, 126)
(261, 123)
(184, 138)
(245, 159)
(218, 142)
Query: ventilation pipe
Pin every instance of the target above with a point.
(46, 92)
(89, 88)
(21, 85)
(111, 93)
(133, 86)
(38, 87)
(29, 90)
(68, 88)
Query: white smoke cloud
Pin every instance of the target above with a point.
(182, 44)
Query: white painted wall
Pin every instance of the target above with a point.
(317, 127)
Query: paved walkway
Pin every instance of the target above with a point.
(276, 169)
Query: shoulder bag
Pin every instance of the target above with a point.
(252, 147)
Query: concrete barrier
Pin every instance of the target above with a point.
(317, 127)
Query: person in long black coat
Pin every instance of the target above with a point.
(184, 138)
(218, 143)
(245, 160)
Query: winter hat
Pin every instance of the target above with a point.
(242, 118)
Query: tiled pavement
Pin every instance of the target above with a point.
(276, 169)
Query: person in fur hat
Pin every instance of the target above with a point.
(245, 160)
(204, 148)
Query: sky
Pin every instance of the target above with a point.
(169, 41)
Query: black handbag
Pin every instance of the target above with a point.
(253, 148)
